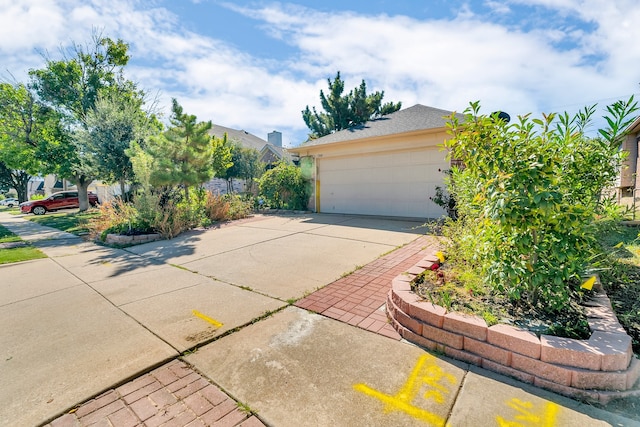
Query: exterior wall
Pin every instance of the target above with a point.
(219, 186)
(392, 175)
(630, 165)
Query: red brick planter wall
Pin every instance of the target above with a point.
(600, 368)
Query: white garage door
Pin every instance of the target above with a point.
(389, 184)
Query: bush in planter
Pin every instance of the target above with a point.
(115, 216)
(529, 193)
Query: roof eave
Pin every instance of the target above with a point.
(314, 148)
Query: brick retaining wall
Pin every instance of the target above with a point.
(120, 239)
(599, 369)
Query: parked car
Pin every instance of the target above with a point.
(10, 201)
(60, 200)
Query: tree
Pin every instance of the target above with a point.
(14, 178)
(28, 132)
(116, 120)
(72, 86)
(183, 154)
(246, 165)
(222, 158)
(345, 111)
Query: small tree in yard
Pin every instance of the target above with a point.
(284, 187)
(246, 165)
(528, 195)
(183, 154)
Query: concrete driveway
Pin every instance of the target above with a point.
(90, 317)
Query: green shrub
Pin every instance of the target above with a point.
(228, 207)
(37, 196)
(528, 196)
(283, 187)
(115, 216)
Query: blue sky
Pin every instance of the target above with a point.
(255, 65)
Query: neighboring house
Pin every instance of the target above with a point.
(389, 166)
(271, 152)
(629, 181)
(52, 184)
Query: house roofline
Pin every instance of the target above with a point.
(315, 148)
(634, 127)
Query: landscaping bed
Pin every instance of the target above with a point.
(599, 369)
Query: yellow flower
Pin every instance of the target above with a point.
(440, 256)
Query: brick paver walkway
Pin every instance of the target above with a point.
(176, 395)
(358, 299)
(172, 395)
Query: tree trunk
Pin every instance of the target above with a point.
(123, 194)
(82, 182)
(21, 184)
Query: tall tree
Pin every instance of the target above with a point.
(183, 154)
(72, 86)
(14, 178)
(345, 111)
(116, 120)
(28, 131)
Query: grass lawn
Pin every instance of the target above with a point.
(7, 237)
(17, 254)
(621, 278)
(72, 222)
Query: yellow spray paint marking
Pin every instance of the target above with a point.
(425, 373)
(530, 416)
(214, 322)
(588, 284)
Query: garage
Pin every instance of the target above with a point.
(389, 184)
(389, 166)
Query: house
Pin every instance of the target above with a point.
(389, 166)
(271, 152)
(629, 181)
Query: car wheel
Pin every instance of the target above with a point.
(39, 210)
(10, 205)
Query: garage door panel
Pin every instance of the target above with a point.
(396, 184)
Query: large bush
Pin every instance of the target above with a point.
(283, 187)
(528, 194)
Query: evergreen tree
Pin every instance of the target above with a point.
(345, 111)
(183, 154)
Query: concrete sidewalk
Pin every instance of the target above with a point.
(198, 331)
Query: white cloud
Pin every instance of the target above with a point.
(439, 62)
(447, 63)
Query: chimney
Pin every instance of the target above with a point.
(275, 138)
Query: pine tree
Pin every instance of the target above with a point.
(345, 111)
(183, 154)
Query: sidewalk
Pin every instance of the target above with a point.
(296, 367)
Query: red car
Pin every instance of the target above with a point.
(60, 200)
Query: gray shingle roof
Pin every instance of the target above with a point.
(245, 138)
(418, 117)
